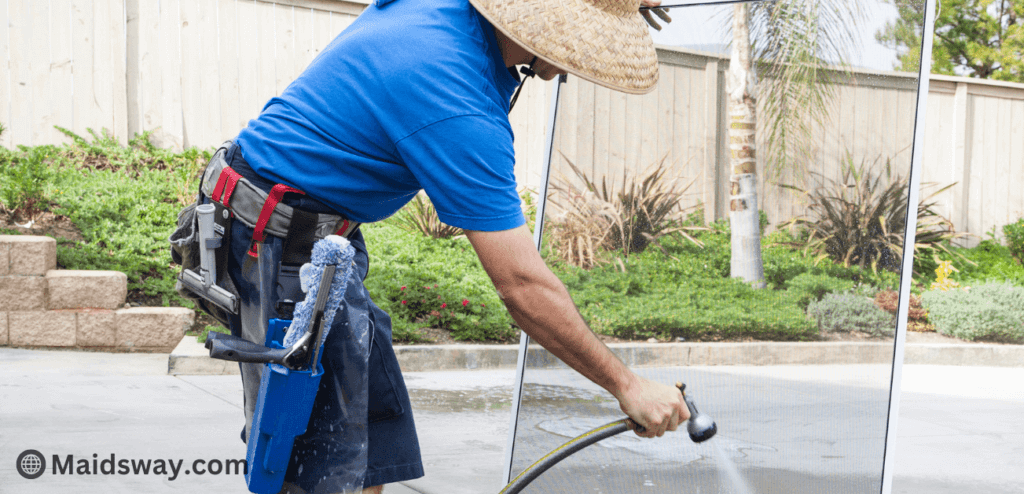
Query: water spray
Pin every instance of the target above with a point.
(700, 427)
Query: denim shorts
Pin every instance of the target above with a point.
(393, 447)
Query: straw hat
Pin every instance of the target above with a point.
(602, 41)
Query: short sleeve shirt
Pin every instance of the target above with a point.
(412, 96)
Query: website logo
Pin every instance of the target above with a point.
(31, 464)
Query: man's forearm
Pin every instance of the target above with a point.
(546, 312)
(542, 307)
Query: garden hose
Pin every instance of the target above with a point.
(700, 428)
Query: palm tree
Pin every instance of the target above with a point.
(798, 43)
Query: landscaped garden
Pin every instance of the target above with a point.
(637, 266)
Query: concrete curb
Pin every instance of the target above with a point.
(191, 358)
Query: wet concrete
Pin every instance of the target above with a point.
(791, 429)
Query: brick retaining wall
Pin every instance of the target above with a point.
(41, 306)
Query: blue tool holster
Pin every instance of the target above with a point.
(291, 370)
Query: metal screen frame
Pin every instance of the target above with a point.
(906, 275)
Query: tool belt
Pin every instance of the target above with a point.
(235, 197)
(262, 211)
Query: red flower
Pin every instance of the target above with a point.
(435, 285)
(483, 305)
(403, 288)
(403, 302)
(444, 305)
(427, 287)
(465, 302)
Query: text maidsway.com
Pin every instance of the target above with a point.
(112, 465)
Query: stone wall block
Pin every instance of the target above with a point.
(21, 293)
(5, 257)
(41, 328)
(30, 255)
(70, 289)
(152, 327)
(96, 328)
(3, 329)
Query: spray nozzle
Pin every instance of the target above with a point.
(700, 427)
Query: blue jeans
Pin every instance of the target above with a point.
(393, 447)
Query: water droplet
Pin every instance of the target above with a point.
(648, 483)
(300, 469)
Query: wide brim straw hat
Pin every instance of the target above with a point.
(606, 42)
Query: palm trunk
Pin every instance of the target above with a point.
(744, 220)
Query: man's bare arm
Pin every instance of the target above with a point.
(542, 307)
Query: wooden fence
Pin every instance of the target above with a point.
(193, 72)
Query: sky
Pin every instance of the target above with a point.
(694, 26)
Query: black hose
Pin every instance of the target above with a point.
(562, 452)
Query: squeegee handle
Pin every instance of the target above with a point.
(239, 350)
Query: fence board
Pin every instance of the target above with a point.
(41, 82)
(649, 151)
(601, 132)
(585, 127)
(209, 118)
(168, 82)
(192, 43)
(617, 135)
(977, 171)
(632, 130)
(87, 58)
(62, 91)
(284, 57)
(249, 103)
(228, 57)
(907, 105)
(1001, 190)
(339, 22)
(1016, 179)
(266, 86)
(22, 117)
(567, 127)
(304, 49)
(322, 34)
(666, 123)
(5, 80)
(114, 62)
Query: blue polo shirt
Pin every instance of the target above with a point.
(413, 95)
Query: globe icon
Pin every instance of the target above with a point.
(31, 464)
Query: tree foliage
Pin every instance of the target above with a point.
(975, 38)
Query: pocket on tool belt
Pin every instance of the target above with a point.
(186, 247)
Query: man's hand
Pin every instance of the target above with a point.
(655, 406)
(661, 12)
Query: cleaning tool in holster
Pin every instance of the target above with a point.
(292, 371)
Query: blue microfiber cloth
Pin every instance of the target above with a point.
(332, 249)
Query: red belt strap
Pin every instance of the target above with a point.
(276, 193)
(226, 183)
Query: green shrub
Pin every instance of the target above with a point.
(124, 201)
(988, 261)
(433, 272)
(860, 219)
(1014, 233)
(845, 312)
(807, 287)
(991, 312)
(645, 209)
(636, 306)
(23, 178)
